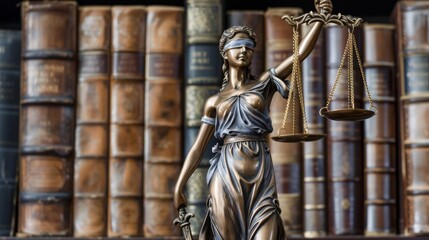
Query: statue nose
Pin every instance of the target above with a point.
(243, 49)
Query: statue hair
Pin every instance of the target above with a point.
(227, 35)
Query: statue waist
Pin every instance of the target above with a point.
(244, 138)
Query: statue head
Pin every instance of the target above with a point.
(224, 46)
(229, 33)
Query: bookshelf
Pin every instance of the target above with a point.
(10, 11)
(10, 19)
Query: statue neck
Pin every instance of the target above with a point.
(237, 77)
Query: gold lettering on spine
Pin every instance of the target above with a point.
(200, 57)
(127, 62)
(93, 63)
(2, 49)
(163, 66)
(417, 74)
(45, 129)
(45, 79)
(200, 61)
(7, 91)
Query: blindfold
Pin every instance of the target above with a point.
(237, 43)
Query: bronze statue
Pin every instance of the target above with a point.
(243, 198)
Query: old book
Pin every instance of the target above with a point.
(286, 156)
(314, 164)
(380, 131)
(203, 77)
(126, 122)
(254, 20)
(163, 121)
(10, 59)
(413, 65)
(48, 78)
(92, 122)
(344, 141)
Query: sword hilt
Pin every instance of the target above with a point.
(184, 223)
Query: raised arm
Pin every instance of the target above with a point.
(306, 45)
(195, 154)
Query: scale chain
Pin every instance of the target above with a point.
(296, 76)
(299, 85)
(292, 83)
(337, 77)
(291, 96)
(296, 81)
(351, 97)
(362, 73)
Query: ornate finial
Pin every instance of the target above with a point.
(311, 17)
(323, 14)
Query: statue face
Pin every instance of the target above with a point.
(240, 56)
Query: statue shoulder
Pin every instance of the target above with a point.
(210, 106)
(263, 76)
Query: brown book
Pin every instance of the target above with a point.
(344, 141)
(47, 118)
(254, 20)
(126, 122)
(413, 65)
(286, 156)
(163, 121)
(314, 165)
(92, 123)
(380, 131)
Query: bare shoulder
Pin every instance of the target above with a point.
(263, 76)
(210, 106)
(211, 101)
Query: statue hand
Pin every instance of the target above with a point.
(179, 198)
(323, 6)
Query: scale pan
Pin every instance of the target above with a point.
(347, 114)
(299, 137)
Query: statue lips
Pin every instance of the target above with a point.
(242, 57)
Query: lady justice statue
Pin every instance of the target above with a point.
(242, 202)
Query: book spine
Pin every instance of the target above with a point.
(413, 63)
(203, 77)
(286, 157)
(92, 123)
(344, 151)
(252, 19)
(10, 52)
(380, 142)
(314, 176)
(163, 121)
(125, 193)
(48, 79)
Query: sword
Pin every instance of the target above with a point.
(185, 225)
